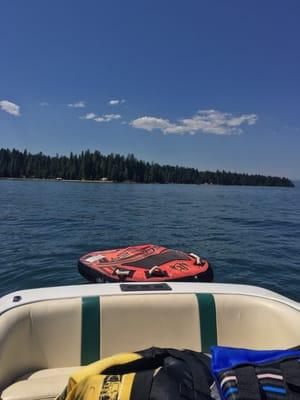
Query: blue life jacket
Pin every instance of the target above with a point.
(243, 374)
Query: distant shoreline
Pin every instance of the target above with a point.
(94, 167)
(128, 182)
(60, 180)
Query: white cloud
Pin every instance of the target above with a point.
(44, 104)
(151, 123)
(78, 104)
(10, 108)
(107, 117)
(115, 102)
(89, 116)
(101, 118)
(204, 121)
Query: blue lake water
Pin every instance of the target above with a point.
(251, 235)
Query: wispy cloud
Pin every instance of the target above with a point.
(101, 118)
(89, 116)
(78, 104)
(107, 117)
(10, 108)
(115, 102)
(204, 121)
(44, 104)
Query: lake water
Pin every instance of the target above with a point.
(251, 235)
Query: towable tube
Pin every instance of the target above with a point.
(145, 263)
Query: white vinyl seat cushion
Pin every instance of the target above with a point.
(40, 385)
(50, 336)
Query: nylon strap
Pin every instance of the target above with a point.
(208, 321)
(248, 386)
(201, 376)
(291, 376)
(197, 363)
(90, 329)
(142, 385)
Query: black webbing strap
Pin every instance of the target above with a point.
(142, 384)
(197, 363)
(200, 376)
(291, 376)
(248, 387)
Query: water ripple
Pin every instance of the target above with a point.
(250, 235)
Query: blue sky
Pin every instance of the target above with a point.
(203, 83)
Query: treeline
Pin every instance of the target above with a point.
(95, 166)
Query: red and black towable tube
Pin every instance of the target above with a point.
(146, 263)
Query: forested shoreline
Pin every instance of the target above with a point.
(114, 167)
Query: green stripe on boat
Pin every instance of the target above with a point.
(90, 329)
(208, 321)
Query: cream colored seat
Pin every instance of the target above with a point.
(44, 384)
(42, 343)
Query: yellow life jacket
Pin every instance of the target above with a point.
(150, 374)
(88, 383)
